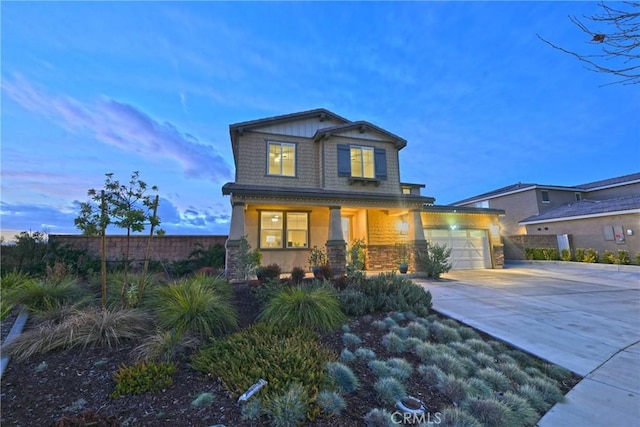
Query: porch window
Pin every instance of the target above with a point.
(281, 159)
(274, 225)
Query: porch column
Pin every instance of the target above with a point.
(416, 235)
(336, 246)
(232, 245)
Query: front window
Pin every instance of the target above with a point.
(282, 159)
(545, 196)
(276, 224)
(362, 165)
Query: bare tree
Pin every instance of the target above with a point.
(616, 31)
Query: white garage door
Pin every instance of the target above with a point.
(469, 248)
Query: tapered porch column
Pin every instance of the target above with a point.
(336, 246)
(236, 231)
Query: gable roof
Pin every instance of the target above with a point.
(362, 126)
(317, 112)
(515, 188)
(587, 208)
(611, 182)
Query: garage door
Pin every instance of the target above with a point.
(469, 248)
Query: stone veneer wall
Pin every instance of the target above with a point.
(514, 245)
(169, 248)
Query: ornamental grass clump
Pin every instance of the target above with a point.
(393, 343)
(477, 388)
(194, 305)
(534, 397)
(389, 390)
(513, 372)
(490, 412)
(41, 296)
(379, 418)
(431, 375)
(496, 379)
(444, 333)
(480, 346)
(415, 329)
(343, 377)
(547, 389)
(288, 409)
(399, 368)
(522, 411)
(351, 340)
(90, 327)
(331, 403)
(346, 356)
(454, 388)
(456, 417)
(364, 353)
(316, 308)
(164, 346)
(449, 364)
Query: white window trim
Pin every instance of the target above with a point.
(295, 155)
(362, 148)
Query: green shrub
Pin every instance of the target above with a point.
(496, 379)
(343, 377)
(565, 254)
(379, 368)
(271, 272)
(431, 374)
(316, 308)
(297, 275)
(194, 305)
(202, 399)
(547, 389)
(415, 329)
(355, 302)
(252, 410)
(288, 409)
(534, 398)
(143, 377)
(87, 328)
(638, 258)
(550, 254)
(522, 411)
(623, 257)
(331, 402)
(268, 289)
(480, 346)
(477, 388)
(450, 364)
(433, 259)
(513, 372)
(579, 255)
(389, 390)
(444, 333)
(278, 355)
(608, 257)
(590, 255)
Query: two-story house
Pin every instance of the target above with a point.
(604, 215)
(315, 178)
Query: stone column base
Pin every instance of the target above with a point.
(337, 256)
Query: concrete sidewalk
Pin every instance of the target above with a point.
(585, 320)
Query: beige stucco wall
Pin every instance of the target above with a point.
(517, 206)
(487, 222)
(588, 233)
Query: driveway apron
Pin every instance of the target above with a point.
(585, 320)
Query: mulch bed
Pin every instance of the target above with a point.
(71, 388)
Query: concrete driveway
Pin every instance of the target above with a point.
(586, 320)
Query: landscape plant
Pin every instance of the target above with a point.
(143, 377)
(313, 307)
(433, 259)
(126, 206)
(199, 305)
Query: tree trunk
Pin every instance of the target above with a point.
(103, 255)
(147, 254)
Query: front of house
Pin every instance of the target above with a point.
(317, 179)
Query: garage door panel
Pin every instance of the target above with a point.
(469, 248)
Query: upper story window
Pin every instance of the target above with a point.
(578, 197)
(482, 204)
(281, 159)
(545, 196)
(406, 190)
(362, 162)
(357, 161)
(280, 229)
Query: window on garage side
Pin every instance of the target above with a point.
(280, 229)
(281, 159)
(545, 196)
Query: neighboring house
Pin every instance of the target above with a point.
(317, 179)
(604, 215)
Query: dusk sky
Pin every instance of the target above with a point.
(96, 87)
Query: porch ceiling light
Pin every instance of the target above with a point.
(453, 227)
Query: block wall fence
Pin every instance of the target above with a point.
(514, 245)
(169, 248)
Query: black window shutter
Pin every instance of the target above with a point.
(344, 160)
(380, 159)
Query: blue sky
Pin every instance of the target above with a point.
(96, 87)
